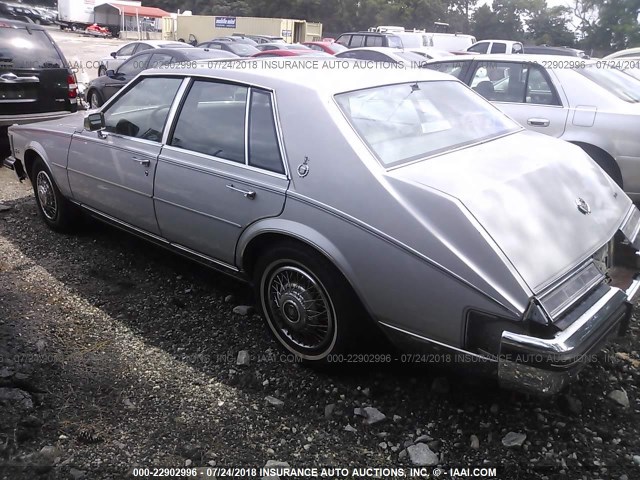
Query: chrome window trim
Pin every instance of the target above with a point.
(173, 110)
(172, 148)
(247, 106)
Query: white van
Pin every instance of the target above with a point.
(451, 42)
(415, 39)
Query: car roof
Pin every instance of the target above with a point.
(628, 51)
(328, 78)
(514, 57)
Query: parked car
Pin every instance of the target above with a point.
(36, 82)
(496, 46)
(261, 38)
(369, 39)
(237, 48)
(473, 253)
(385, 55)
(629, 53)
(329, 47)
(452, 42)
(32, 14)
(235, 38)
(573, 99)
(123, 53)
(429, 52)
(562, 51)
(101, 89)
(281, 46)
(289, 52)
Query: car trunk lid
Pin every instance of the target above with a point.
(532, 205)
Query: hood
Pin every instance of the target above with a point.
(525, 190)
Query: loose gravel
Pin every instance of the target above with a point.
(116, 354)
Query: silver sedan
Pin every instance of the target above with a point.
(590, 103)
(400, 202)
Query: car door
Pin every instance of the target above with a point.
(524, 91)
(112, 171)
(221, 169)
(123, 75)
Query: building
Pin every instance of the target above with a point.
(131, 21)
(204, 27)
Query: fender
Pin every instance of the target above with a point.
(58, 170)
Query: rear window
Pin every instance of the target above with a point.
(405, 122)
(616, 82)
(24, 50)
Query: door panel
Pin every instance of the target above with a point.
(113, 170)
(219, 173)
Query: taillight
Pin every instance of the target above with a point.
(73, 86)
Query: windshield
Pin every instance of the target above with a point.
(409, 121)
(21, 49)
(634, 72)
(623, 86)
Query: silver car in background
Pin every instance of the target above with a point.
(399, 202)
(591, 103)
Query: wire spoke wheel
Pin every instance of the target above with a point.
(46, 195)
(299, 309)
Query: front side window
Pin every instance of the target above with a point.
(394, 41)
(141, 112)
(357, 41)
(405, 122)
(212, 121)
(344, 40)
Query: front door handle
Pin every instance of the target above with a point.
(250, 194)
(538, 122)
(145, 162)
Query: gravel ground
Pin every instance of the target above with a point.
(116, 354)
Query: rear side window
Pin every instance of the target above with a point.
(264, 151)
(451, 68)
(21, 49)
(374, 41)
(212, 121)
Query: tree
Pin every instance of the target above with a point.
(550, 27)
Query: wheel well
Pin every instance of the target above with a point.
(30, 157)
(601, 156)
(265, 241)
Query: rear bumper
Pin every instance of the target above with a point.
(547, 365)
(7, 120)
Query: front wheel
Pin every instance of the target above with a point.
(307, 304)
(56, 211)
(102, 71)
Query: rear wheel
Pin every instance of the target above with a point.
(307, 304)
(56, 211)
(94, 99)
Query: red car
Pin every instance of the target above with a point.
(288, 53)
(328, 47)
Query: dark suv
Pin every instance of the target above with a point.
(36, 82)
(369, 39)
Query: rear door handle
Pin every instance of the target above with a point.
(145, 162)
(250, 194)
(538, 122)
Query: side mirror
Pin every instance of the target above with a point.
(113, 54)
(94, 121)
(110, 73)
